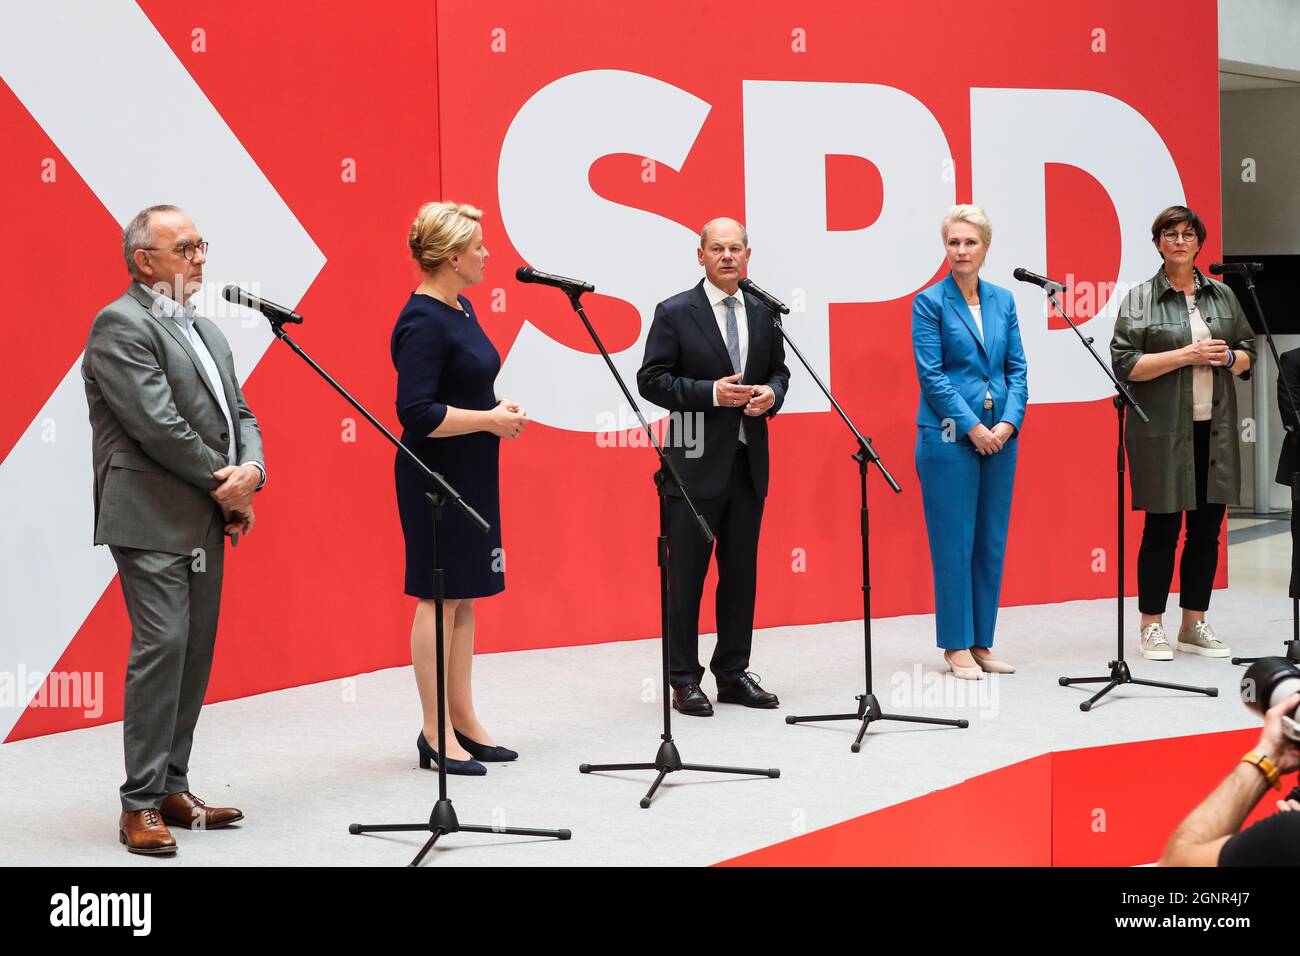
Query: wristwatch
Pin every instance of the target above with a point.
(1266, 766)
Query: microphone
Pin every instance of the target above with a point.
(1049, 285)
(525, 274)
(1235, 268)
(275, 314)
(767, 298)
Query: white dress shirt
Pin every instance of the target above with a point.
(715, 297)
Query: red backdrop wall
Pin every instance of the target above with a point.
(421, 98)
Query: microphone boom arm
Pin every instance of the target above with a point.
(438, 484)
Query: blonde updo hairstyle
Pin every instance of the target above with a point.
(441, 230)
(964, 212)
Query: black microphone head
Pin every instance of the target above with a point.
(1244, 268)
(564, 283)
(768, 299)
(1019, 273)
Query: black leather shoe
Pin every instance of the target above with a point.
(484, 752)
(745, 690)
(690, 700)
(429, 757)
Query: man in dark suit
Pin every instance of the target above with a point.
(713, 354)
(1288, 378)
(177, 457)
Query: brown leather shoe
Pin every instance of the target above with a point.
(143, 831)
(186, 810)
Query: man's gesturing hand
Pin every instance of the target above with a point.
(238, 482)
(239, 522)
(730, 393)
(762, 401)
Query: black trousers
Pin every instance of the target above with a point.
(1200, 544)
(735, 517)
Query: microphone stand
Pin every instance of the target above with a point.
(1119, 670)
(442, 820)
(1293, 645)
(667, 759)
(868, 705)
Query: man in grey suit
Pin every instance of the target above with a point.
(178, 456)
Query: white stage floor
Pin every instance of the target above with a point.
(306, 762)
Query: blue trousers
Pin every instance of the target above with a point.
(967, 499)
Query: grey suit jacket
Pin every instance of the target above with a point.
(158, 431)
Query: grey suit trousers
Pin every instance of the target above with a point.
(173, 601)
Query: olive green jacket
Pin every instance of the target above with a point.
(1153, 318)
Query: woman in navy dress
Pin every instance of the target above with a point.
(453, 420)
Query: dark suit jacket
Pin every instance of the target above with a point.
(1288, 373)
(684, 356)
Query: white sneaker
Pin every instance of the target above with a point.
(1155, 646)
(1200, 639)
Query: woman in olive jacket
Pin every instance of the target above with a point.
(1180, 338)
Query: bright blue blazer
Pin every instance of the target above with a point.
(957, 366)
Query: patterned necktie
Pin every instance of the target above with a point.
(733, 333)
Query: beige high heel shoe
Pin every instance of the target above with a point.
(963, 672)
(990, 664)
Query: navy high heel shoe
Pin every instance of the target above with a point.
(483, 752)
(429, 756)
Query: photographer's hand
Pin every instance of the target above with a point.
(1273, 743)
(1199, 838)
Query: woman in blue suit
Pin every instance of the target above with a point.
(971, 365)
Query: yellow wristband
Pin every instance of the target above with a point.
(1266, 766)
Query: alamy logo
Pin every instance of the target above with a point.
(622, 429)
(103, 909)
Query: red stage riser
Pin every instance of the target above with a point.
(1115, 805)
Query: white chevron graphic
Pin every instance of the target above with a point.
(83, 69)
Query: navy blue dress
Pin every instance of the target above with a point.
(443, 357)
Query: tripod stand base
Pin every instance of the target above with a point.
(442, 821)
(1119, 675)
(667, 761)
(1292, 654)
(869, 710)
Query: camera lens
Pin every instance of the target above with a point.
(1269, 681)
